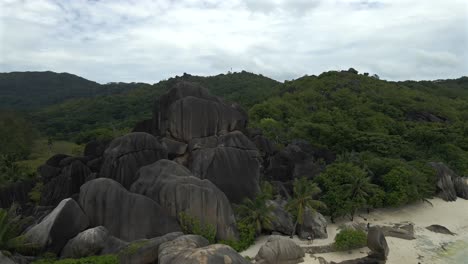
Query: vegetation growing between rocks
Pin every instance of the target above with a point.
(11, 225)
(349, 238)
(192, 225)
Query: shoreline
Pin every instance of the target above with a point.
(428, 247)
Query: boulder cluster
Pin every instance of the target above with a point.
(194, 157)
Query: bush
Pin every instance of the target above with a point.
(246, 237)
(191, 225)
(350, 239)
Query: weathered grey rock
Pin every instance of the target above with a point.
(174, 148)
(364, 260)
(176, 189)
(72, 175)
(440, 229)
(282, 220)
(126, 215)
(63, 223)
(233, 165)
(16, 192)
(193, 249)
(403, 231)
(297, 159)
(95, 148)
(188, 111)
(126, 154)
(113, 245)
(280, 250)
(5, 260)
(449, 184)
(377, 243)
(314, 225)
(144, 251)
(87, 243)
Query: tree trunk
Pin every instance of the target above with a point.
(294, 229)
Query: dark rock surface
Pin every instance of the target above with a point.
(16, 192)
(87, 243)
(63, 223)
(449, 184)
(193, 249)
(314, 225)
(440, 229)
(280, 250)
(297, 159)
(72, 175)
(230, 161)
(377, 243)
(175, 188)
(144, 251)
(126, 215)
(126, 154)
(188, 111)
(95, 148)
(282, 219)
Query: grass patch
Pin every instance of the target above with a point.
(41, 152)
(105, 259)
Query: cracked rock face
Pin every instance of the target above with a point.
(175, 188)
(126, 154)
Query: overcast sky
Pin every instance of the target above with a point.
(143, 40)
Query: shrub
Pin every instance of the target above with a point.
(350, 239)
(191, 225)
(246, 237)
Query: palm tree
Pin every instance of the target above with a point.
(303, 198)
(360, 188)
(257, 212)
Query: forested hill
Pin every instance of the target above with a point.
(348, 112)
(82, 119)
(25, 91)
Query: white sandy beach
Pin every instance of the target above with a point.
(425, 249)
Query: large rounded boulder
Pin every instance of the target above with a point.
(175, 188)
(126, 215)
(126, 154)
(87, 243)
(188, 111)
(193, 249)
(230, 161)
(280, 250)
(377, 243)
(63, 223)
(449, 184)
(314, 225)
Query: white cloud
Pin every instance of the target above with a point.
(144, 40)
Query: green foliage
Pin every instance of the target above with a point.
(10, 230)
(104, 259)
(133, 247)
(11, 171)
(349, 238)
(86, 118)
(256, 212)
(347, 188)
(192, 225)
(32, 90)
(246, 237)
(303, 198)
(35, 193)
(16, 135)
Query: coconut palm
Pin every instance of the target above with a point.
(360, 189)
(303, 198)
(257, 212)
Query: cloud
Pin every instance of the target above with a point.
(145, 40)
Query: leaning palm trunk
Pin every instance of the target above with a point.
(294, 229)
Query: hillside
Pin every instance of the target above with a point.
(81, 119)
(350, 113)
(32, 90)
